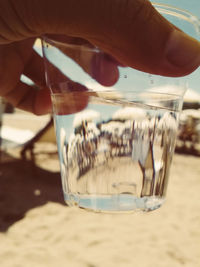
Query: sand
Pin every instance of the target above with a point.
(38, 229)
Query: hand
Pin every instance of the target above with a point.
(132, 32)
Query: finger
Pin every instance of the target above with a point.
(72, 102)
(38, 101)
(34, 69)
(75, 100)
(30, 98)
(13, 57)
(104, 69)
(131, 31)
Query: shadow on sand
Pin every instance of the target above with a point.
(24, 186)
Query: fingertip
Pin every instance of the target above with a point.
(105, 70)
(69, 103)
(182, 53)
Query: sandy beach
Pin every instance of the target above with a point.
(38, 229)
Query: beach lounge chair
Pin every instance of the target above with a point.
(23, 131)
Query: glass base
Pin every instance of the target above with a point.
(114, 203)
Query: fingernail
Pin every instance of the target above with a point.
(183, 50)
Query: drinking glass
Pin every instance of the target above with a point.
(115, 137)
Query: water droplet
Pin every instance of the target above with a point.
(151, 79)
(37, 192)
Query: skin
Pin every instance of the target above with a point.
(131, 31)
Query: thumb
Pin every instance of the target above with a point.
(138, 36)
(132, 31)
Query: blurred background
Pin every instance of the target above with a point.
(38, 229)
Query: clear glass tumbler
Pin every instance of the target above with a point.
(115, 139)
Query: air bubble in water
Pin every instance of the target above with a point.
(151, 79)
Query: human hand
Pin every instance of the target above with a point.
(132, 32)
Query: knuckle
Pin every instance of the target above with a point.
(12, 24)
(128, 15)
(143, 12)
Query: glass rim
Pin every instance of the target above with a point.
(137, 99)
(176, 11)
(147, 95)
